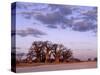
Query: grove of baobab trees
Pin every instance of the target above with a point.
(48, 52)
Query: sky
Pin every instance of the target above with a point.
(73, 26)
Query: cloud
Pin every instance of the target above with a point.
(63, 9)
(22, 5)
(29, 5)
(30, 31)
(56, 16)
(52, 26)
(30, 14)
(88, 21)
(27, 15)
(50, 18)
(77, 18)
(91, 14)
(83, 26)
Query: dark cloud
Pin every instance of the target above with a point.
(63, 9)
(52, 26)
(50, 18)
(30, 31)
(54, 19)
(57, 16)
(83, 26)
(27, 15)
(90, 20)
(91, 14)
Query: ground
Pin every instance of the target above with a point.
(52, 67)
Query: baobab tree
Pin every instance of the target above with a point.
(35, 51)
(46, 51)
(67, 54)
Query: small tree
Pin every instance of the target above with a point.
(95, 59)
(89, 59)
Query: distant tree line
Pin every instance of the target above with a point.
(95, 59)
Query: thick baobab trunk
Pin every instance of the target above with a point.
(29, 60)
(47, 56)
(38, 57)
(57, 58)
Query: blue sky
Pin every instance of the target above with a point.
(73, 26)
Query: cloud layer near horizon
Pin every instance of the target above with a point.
(29, 31)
